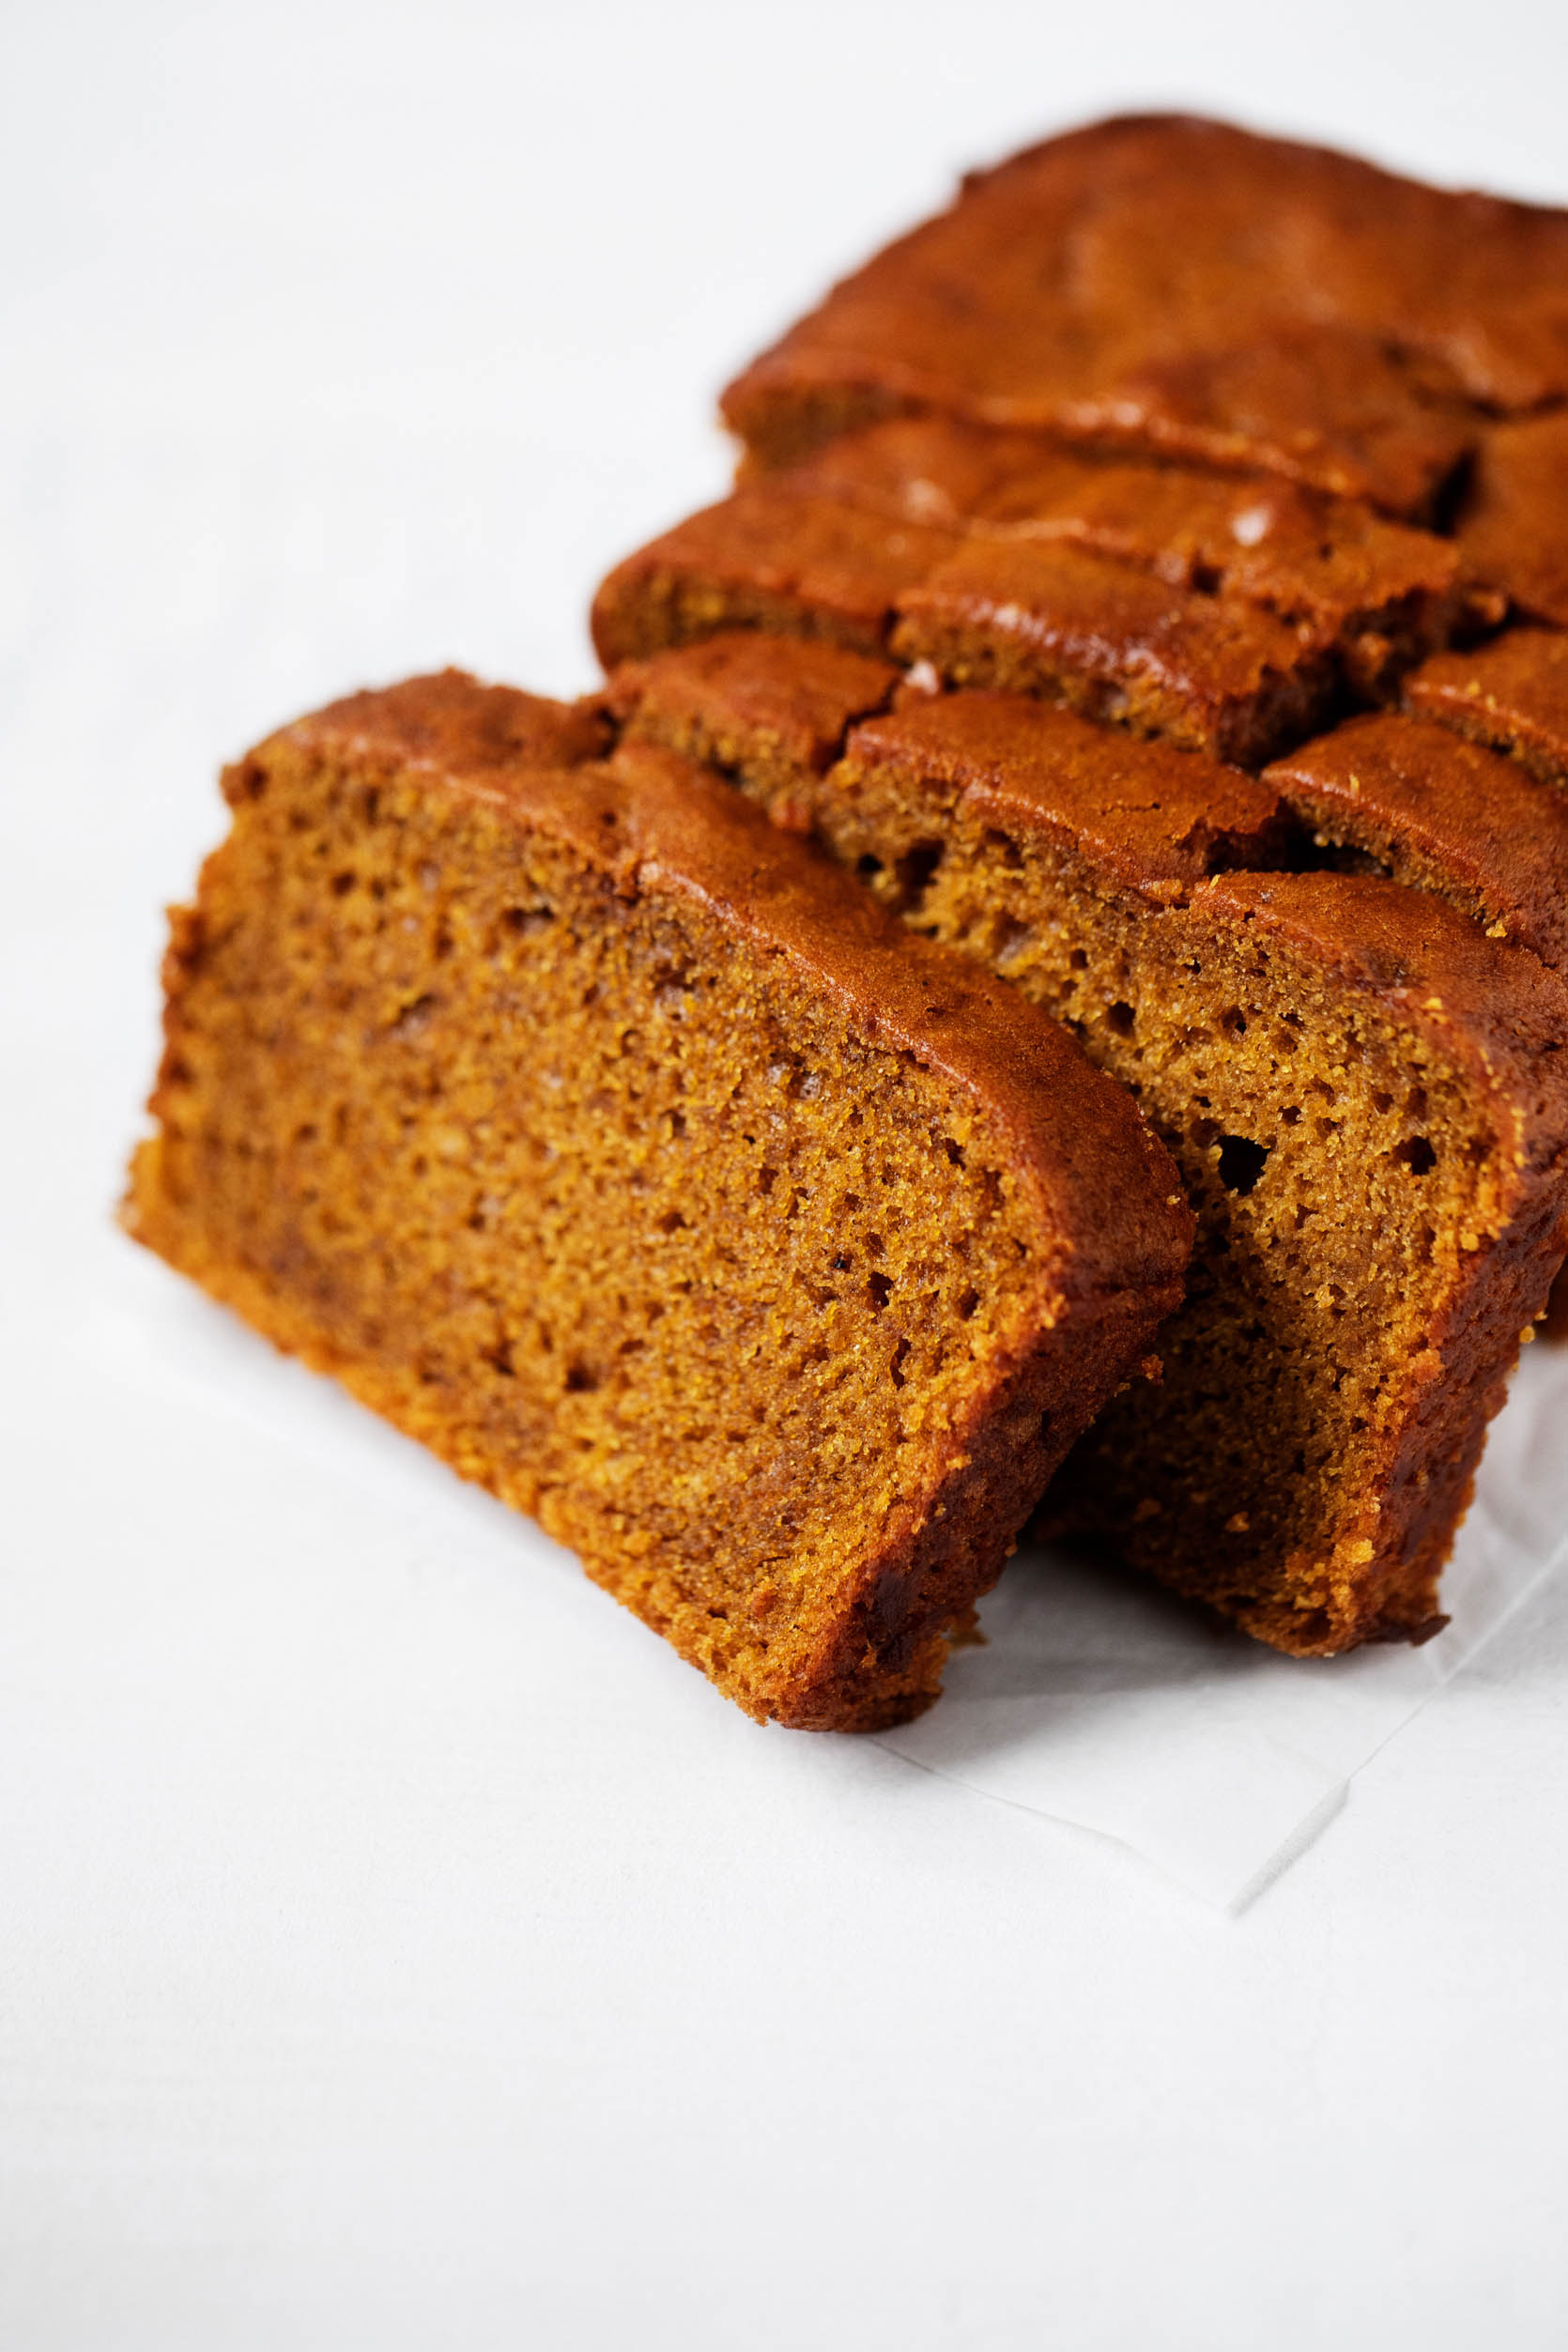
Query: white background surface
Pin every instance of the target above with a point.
(399, 1947)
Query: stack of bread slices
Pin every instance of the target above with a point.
(1036, 990)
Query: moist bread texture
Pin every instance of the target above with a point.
(609, 1142)
(1366, 1095)
(1222, 440)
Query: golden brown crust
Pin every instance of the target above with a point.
(1197, 290)
(940, 470)
(1159, 817)
(1230, 616)
(1328, 407)
(1511, 695)
(780, 706)
(1220, 674)
(1153, 819)
(1513, 528)
(1119, 645)
(448, 722)
(764, 560)
(1441, 814)
(1332, 566)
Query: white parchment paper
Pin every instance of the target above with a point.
(1098, 1700)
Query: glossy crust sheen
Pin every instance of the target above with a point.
(782, 706)
(1442, 814)
(1189, 289)
(1512, 693)
(1112, 1233)
(1333, 566)
(1112, 639)
(1513, 526)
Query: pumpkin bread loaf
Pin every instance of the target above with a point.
(613, 1144)
(1366, 1095)
(1192, 291)
(1217, 437)
(1040, 393)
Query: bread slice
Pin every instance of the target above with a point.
(1367, 1098)
(1467, 797)
(612, 1144)
(1511, 695)
(1441, 812)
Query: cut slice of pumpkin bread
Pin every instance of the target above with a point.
(1366, 1095)
(1374, 591)
(1467, 796)
(620, 1149)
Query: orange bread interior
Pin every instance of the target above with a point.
(615, 1146)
